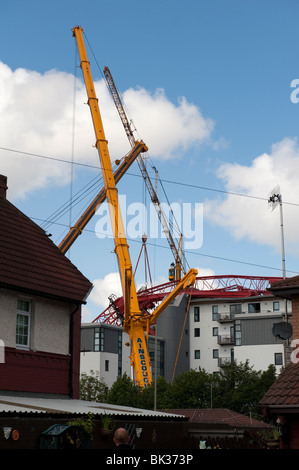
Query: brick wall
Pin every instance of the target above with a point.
(295, 317)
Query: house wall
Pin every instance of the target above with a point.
(51, 364)
(295, 317)
(50, 322)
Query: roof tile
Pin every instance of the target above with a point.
(31, 261)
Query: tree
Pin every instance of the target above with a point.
(189, 390)
(240, 388)
(124, 392)
(92, 389)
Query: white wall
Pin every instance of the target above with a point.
(50, 322)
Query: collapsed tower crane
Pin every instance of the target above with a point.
(177, 249)
(136, 324)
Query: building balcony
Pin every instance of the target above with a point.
(224, 361)
(224, 317)
(225, 339)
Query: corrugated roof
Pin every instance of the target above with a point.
(30, 261)
(22, 404)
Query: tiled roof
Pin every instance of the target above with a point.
(30, 261)
(285, 390)
(285, 287)
(219, 416)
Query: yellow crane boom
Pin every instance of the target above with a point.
(83, 220)
(135, 323)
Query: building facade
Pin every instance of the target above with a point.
(105, 351)
(205, 333)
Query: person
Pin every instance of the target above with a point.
(121, 439)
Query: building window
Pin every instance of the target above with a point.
(238, 333)
(235, 309)
(275, 306)
(197, 354)
(97, 339)
(196, 332)
(215, 331)
(215, 312)
(106, 366)
(196, 314)
(254, 308)
(215, 353)
(278, 359)
(23, 324)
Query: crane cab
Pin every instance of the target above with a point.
(171, 273)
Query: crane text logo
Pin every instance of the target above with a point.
(174, 221)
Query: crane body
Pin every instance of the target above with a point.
(135, 323)
(81, 223)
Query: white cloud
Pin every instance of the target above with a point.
(103, 288)
(246, 217)
(37, 113)
(167, 129)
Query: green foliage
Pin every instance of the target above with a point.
(92, 389)
(124, 392)
(86, 423)
(237, 387)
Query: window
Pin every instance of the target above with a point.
(254, 308)
(215, 331)
(196, 332)
(197, 354)
(97, 339)
(238, 333)
(215, 353)
(215, 312)
(196, 314)
(278, 359)
(23, 324)
(235, 309)
(107, 366)
(275, 306)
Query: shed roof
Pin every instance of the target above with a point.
(25, 404)
(31, 262)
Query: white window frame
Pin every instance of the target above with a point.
(27, 314)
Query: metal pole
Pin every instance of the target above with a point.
(282, 238)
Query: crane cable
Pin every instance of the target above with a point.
(183, 328)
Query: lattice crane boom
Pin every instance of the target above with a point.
(175, 248)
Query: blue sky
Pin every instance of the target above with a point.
(208, 86)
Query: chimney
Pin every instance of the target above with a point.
(3, 186)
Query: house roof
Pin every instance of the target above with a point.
(219, 416)
(286, 288)
(31, 262)
(284, 392)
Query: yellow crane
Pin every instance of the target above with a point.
(83, 220)
(136, 323)
(177, 269)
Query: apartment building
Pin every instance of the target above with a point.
(105, 350)
(222, 330)
(205, 333)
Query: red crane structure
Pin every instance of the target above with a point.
(227, 286)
